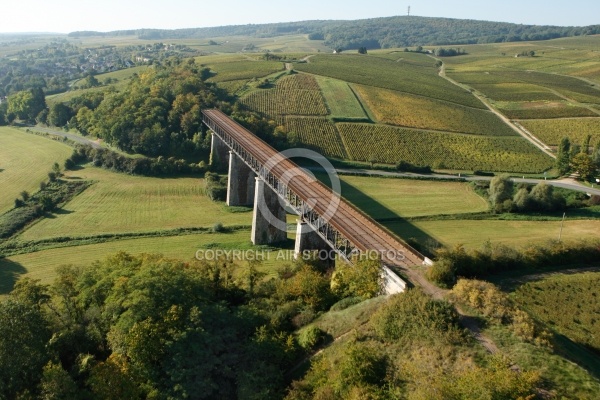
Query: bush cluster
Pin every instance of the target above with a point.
(146, 166)
(404, 166)
(459, 262)
(216, 186)
(495, 305)
(28, 208)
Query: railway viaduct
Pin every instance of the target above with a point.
(262, 177)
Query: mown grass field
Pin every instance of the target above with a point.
(396, 108)
(575, 56)
(25, 160)
(387, 74)
(124, 203)
(569, 304)
(392, 198)
(474, 233)
(42, 264)
(341, 100)
(551, 131)
(386, 144)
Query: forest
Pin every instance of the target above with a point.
(388, 32)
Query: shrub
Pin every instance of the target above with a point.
(305, 317)
(216, 186)
(345, 303)
(404, 166)
(413, 314)
(495, 305)
(442, 273)
(311, 337)
(218, 227)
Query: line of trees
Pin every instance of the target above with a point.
(578, 158)
(504, 196)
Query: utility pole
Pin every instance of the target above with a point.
(409, 11)
(561, 227)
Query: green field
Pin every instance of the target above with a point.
(42, 264)
(125, 203)
(569, 304)
(25, 160)
(474, 233)
(393, 198)
(551, 131)
(247, 69)
(341, 100)
(388, 74)
(396, 108)
(122, 78)
(404, 57)
(386, 144)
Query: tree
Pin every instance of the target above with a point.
(564, 156)
(522, 200)
(583, 165)
(90, 81)
(363, 279)
(57, 384)
(56, 169)
(501, 190)
(59, 114)
(585, 147)
(3, 108)
(543, 196)
(27, 104)
(362, 50)
(596, 155)
(24, 335)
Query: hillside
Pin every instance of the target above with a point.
(388, 32)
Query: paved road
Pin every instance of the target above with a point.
(70, 136)
(562, 183)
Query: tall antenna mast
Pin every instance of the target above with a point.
(409, 11)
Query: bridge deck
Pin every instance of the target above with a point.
(363, 231)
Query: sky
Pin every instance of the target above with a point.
(73, 15)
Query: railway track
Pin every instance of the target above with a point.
(364, 233)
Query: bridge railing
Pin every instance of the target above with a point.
(339, 242)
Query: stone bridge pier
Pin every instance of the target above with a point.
(219, 152)
(269, 228)
(240, 182)
(307, 240)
